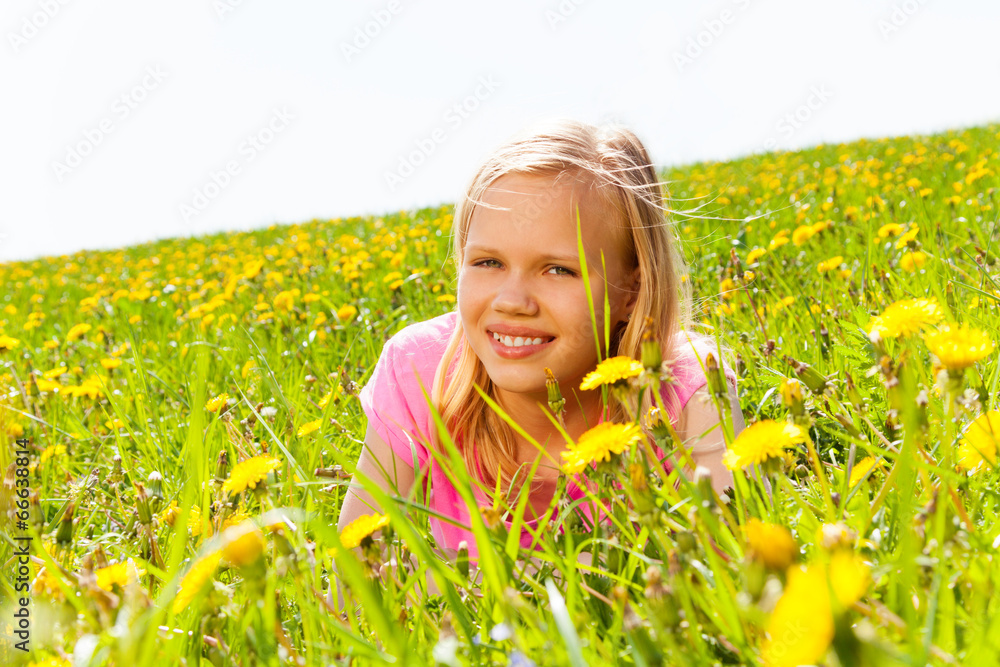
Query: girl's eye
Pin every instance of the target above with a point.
(563, 268)
(485, 261)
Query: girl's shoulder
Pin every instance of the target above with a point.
(688, 361)
(424, 337)
(416, 350)
(392, 399)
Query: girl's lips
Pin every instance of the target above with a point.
(516, 352)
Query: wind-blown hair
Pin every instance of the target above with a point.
(614, 162)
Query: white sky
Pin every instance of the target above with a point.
(228, 69)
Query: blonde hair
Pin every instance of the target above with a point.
(614, 160)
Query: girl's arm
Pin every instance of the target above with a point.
(698, 427)
(376, 457)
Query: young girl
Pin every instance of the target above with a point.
(522, 307)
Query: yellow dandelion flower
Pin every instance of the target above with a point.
(803, 233)
(912, 261)
(119, 574)
(773, 545)
(905, 317)
(446, 298)
(90, 387)
(114, 424)
(861, 469)
(978, 449)
(761, 443)
(908, 237)
(194, 523)
(777, 242)
(309, 427)
(252, 268)
(7, 343)
(830, 264)
(169, 514)
(194, 581)
(890, 229)
(346, 313)
(54, 373)
(249, 473)
(214, 404)
(244, 545)
(754, 255)
(46, 584)
(611, 371)
(958, 348)
(285, 301)
(330, 396)
(77, 331)
(361, 528)
(236, 518)
(250, 364)
(51, 452)
(598, 444)
(803, 623)
(46, 385)
(111, 364)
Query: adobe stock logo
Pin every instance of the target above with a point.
(797, 118)
(363, 35)
(121, 109)
(32, 25)
(704, 39)
(251, 147)
(425, 146)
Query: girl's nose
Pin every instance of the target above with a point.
(515, 296)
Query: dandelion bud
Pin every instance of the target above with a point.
(556, 400)
(809, 376)
(716, 380)
(221, 468)
(853, 395)
(655, 588)
(848, 424)
(142, 505)
(100, 558)
(35, 516)
(741, 366)
(686, 542)
(116, 471)
(652, 356)
(462, 560)
(64, 536)
(614, 560)
(155, 481)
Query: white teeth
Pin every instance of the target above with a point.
(517, 342)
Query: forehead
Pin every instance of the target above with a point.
(544, 207)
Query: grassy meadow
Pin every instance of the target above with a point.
(185, 417)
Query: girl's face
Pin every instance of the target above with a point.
(521, 278)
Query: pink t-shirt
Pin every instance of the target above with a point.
(398, 412)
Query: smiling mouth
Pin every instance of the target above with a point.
(520, 341)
